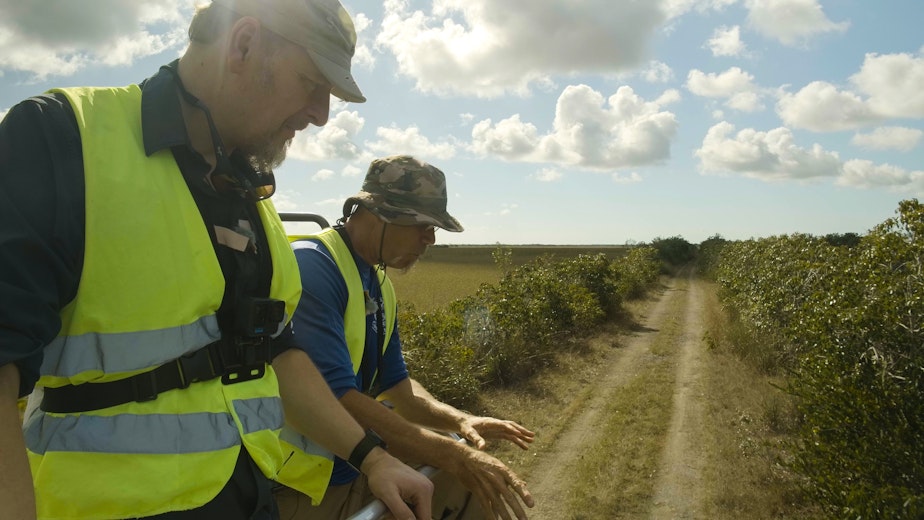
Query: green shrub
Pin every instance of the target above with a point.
(505, 331)
(846, 319)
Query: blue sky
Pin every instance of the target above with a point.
(575, 121)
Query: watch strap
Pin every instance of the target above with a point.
(359, 453)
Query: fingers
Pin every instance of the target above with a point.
(498, 490)
(399, 510)
(499, 429)
(475, 438)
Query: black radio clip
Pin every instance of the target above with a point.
(256, 320)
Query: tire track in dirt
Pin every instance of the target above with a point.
(548, 477)
(676, 491)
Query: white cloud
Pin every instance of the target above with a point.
(409, 141)
(791, 22)
(658, 72)
(487, 48)
(323, 175)
(676, 8)
(734, 85)
(108, 32)
(865, 174)
(769, 155)
(774, 156)
(669, 97)
(352, 171)
(589, 131)
(726, 41)
(506, 209)
(889, 138)
(893, 83)
(548, 175)
(632, 178)
(363, 56)
(335, 140)
(726, 84)
(821, 107)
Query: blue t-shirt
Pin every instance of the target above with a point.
(319, 330)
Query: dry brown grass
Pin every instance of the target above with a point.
(748, 421)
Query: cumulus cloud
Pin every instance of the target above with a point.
(769, 155)
(791, 22)
(726, 41)
(893, 83)
(363, 56)
(734, 85)
(889, 138)
(821, 107)
(107, 32)
(487, 48)
(887, 86)
(774, 156)
(335, 140)
(588, 131)
(864, 174)
(410, 141)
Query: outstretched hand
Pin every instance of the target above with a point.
(498, 489)
(478, 429)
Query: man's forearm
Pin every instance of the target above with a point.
(311, 408)
(406, 440)
(413, 402)
(17, 498)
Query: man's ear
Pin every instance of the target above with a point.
(244, 39)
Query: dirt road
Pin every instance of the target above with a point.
(671, 326)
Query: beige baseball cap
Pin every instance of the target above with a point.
(322, 27)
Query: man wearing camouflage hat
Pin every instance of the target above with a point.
(346, 322)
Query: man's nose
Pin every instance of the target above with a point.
(318, 107)
(429, 236)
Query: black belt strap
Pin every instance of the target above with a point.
(207, 363)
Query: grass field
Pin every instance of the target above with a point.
(447, 273)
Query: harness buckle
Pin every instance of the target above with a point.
(195, 366)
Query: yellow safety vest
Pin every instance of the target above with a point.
(148, 293)
(296, 473)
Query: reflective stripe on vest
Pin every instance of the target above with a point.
(299, 468)
(148, 293)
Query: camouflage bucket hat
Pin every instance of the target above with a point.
(405, 191)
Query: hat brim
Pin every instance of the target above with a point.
(344, 86)
(403, 216)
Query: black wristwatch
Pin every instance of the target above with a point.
(358, 455)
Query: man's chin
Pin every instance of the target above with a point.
(268, 156)
(404, 263)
